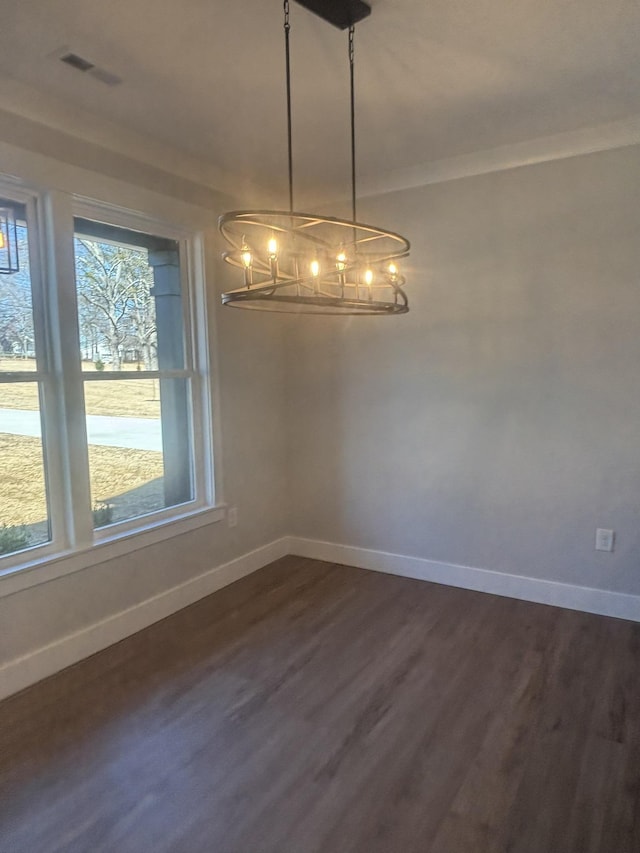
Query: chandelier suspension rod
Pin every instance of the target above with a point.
(287, 27)
(353, 123)
(311, 264)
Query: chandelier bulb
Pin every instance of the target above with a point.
(272, 248)
(393, 271)
(247, 260)
(368, 277)
(341, 261)
(315, 268)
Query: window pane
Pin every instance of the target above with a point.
(24, 519)
(17, 345)
(139, 446)
(129, 299)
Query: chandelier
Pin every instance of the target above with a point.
(304, 262)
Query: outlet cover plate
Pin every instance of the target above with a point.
(604, 539)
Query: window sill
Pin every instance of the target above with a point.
(47, 568)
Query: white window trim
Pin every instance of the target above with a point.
(46, 562)
(41, 569)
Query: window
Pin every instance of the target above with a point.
(136, 382)
(103, 411)
(24, 512)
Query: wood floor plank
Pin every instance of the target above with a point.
(316, 708)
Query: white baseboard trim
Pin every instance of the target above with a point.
(24, 671)
(600, 601)
(27, 670)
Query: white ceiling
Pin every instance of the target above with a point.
(435, 78)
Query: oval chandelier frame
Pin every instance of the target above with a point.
(307, 263)
(325, 264)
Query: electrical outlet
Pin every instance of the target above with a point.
(604, 539)
(232, 516)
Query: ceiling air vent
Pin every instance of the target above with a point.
(87, 67)
(77, 62)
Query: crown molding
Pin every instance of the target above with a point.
(54, 114)
(588, 140)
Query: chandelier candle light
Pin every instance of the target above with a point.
(306, 263)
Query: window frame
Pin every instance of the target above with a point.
(74, 543)
(42, 376)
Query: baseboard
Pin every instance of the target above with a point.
(600, 601)
(27, 670)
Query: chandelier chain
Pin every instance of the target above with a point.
(287, 28)
(353, 123)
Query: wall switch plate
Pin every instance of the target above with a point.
(604, 540)
(232, 516)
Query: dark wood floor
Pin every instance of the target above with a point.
(314, 707)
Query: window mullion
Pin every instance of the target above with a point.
(52, 449)
(127, 375)
(68, 422)
(208, 468)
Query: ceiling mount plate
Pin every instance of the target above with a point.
(340, 13)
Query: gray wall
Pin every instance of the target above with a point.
(493, 426)
(249, 356)
(254, 478)
(497, 424)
